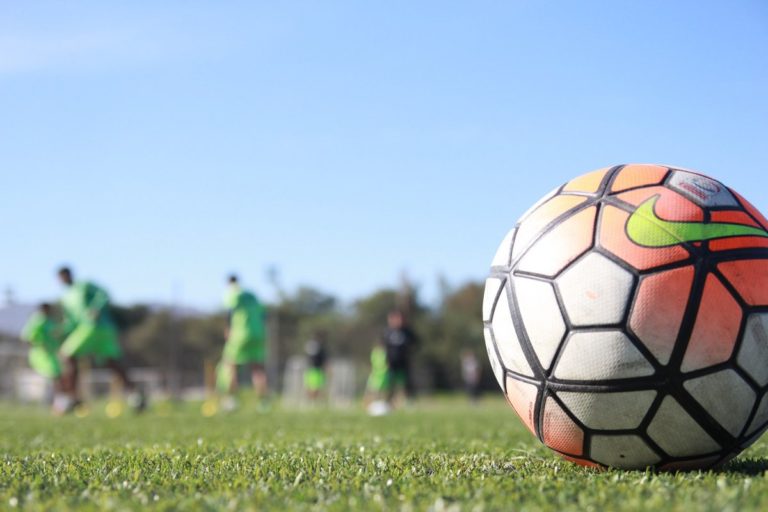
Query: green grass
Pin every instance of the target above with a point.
(437, 455)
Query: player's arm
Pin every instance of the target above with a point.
(58, 331)
(230, 302)
(99, 300)
(68, 322)
(32, 332)
(228, 325)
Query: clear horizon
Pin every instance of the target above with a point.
(158, 147)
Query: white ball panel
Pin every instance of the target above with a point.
(761, 416)
(701, 189)
(507, 340)
(677, 433)
(541, 317)
(609, 411)
(725, 396)
(599, 356)
(595, 291)
(492, 287)
(504, 252)
(749, 441)
(622, 451)
(753, 354)
(498, 371)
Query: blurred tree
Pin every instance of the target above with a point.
(457, 326)
(146, 344)
(126, 318)
(309, 301)
(444, 331)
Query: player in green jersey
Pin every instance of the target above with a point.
(245, 340)
(378, 380)
(90, 332)
(378, 384)
(42, 333)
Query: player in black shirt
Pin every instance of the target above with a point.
(399, 341)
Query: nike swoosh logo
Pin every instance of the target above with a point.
(645, 228)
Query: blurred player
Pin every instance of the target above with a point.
(90, 332)
(246, 341)
(470, 374)
(315, 374)
(399, 341)
(378, 380)
(42, 333)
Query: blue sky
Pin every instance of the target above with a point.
(156, 146)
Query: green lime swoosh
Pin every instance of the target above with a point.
(645, 228)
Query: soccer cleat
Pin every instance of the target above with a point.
(229, 404)
(137, 400)
(63, 404)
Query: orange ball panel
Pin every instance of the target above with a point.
(716, 328)
(752, 210)
(750, 278)
(637, 175)
(588, 183)
(658, 310)
(522, 398)
(560, 432)
(733, 217)
(739, 242)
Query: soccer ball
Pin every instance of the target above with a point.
(626, 319)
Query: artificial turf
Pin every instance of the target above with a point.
(434, 455)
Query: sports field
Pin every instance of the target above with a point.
(437, 455)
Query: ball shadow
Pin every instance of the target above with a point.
(745, 466)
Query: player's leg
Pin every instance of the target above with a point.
(69, 387)
(398, 385)
(137, 399)
(407, 381)
(231, 357)
(226, 383)
(381, 392)
(71, 376)
(233, 384)
(75, 346)
(103, 345)
(119, 370)
(320, 380)
(252, 351)
(46, 363)
(391, 389)
(474, 392)
(259, 379)
(314, 381)
(224, 372)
